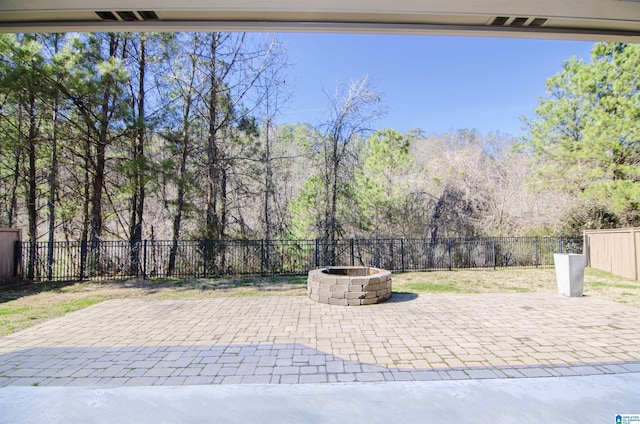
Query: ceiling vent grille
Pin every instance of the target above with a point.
(128, 15)
(538, 22)
(519, 21)
(107, 16)
(500, 20)
(148, 15)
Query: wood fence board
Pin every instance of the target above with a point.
(8, 238)
(615, 251)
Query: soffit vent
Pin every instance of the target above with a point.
(107, 16)
(538, 22)
(128, 15)
(148, 15)
(519, 21)
(500, 20)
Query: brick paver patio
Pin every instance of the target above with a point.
(295, 340)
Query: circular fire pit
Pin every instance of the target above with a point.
(349, 285)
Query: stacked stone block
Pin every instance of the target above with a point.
(349, 286)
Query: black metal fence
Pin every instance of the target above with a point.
(73, 261)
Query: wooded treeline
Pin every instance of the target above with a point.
(176, 136)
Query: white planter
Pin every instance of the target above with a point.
(569, 273)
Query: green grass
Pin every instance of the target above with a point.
(426, 287)
(24, 304)
(204, 292)
(597, 283)
(597, 273)
(234, 287)
(618, 285)
(74, 305)
(15, 316)
(456, 286)
(518, 289)
(9, 309)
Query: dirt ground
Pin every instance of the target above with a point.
(25, 304)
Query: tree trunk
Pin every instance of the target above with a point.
(53, 173)
(223, 203)
(137, 200)
(106, 110)
(435, 223)
(268, 184)
(86, 220)
(334, 202)
(213, 177)
(13, 206)
(96, 192)
(177, 219)
(268, 188)
(331, 207)
(32, 210)
(182, 175)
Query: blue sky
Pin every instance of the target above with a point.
(435, 83)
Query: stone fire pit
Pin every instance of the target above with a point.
(349, 285)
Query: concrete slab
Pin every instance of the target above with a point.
(593, 399)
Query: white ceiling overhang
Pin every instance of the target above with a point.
(598, 20)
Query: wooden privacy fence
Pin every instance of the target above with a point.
(615, 251)
(9, 255)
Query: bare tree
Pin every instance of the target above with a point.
(185, 83)
(235, 65)
(272, 89)
(352, 110)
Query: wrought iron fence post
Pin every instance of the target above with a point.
(449, 251)
(50, 255)
(262, 257)
(391, 265)
(535, 244)
(493, 248)
(144, 260)
(402, 254)
(317, 253)
(352, 253)
(83, 258)
(32, 260)
(560, 244)
(204, 259)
